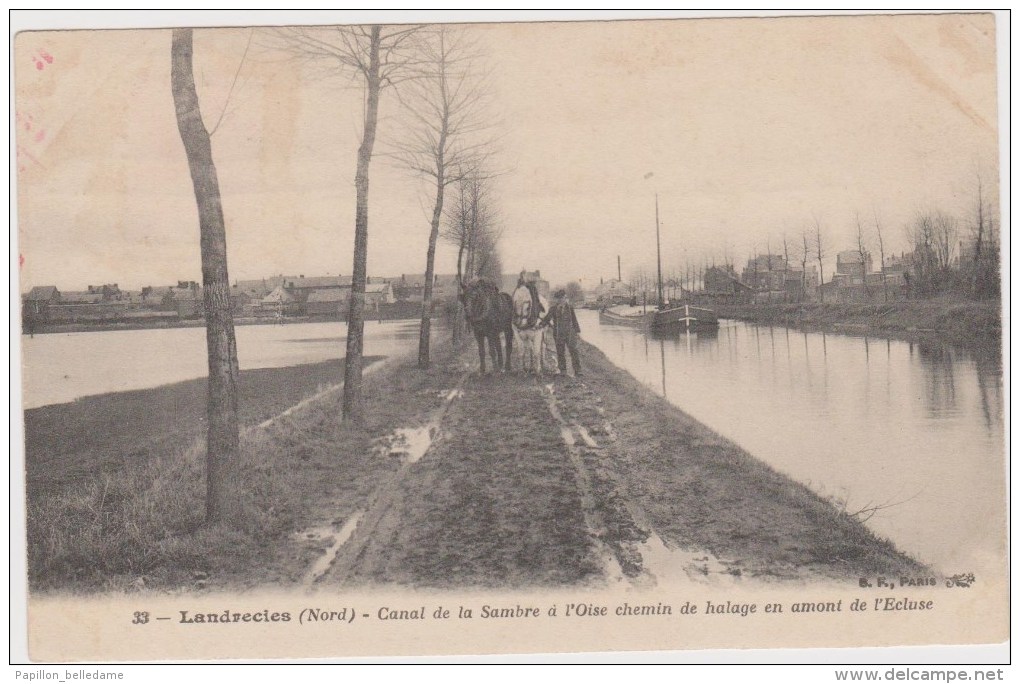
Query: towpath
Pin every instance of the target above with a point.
(518, 481)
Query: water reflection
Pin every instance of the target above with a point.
(662, 352)
(939, 383)
(919, 428)
(989, 376)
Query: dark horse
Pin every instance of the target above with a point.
(489, 312)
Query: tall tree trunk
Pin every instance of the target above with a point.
(821, 273)
(976, 265)
(353, 409)
(803, 268)
(458, 316)
(881, 255)
(430, 267)
(223, 441)
(437, 216)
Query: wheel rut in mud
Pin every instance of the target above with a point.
(493, 502)
(621, 524)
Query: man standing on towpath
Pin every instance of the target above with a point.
(565, 332)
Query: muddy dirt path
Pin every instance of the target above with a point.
(516, 483)
(493, 502)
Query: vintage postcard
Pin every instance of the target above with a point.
(424, 339)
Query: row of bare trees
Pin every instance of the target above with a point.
(948, 255)
(444, 140)
(448, 142)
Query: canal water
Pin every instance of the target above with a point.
(63, 367)
(913, 430)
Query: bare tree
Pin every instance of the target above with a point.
(862, 254)
(881, 256)
(222, 444)
(984, 264)
(786, 264)
(933, 234)
(946, 239)
(803, 263)
(377, 57)
(638, 281)
(487, 261)
(819, 254)
(471, 225)
(979, 230)
(445, 140)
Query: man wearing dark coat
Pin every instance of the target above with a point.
(565, 332)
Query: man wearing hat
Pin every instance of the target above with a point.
(565, 331)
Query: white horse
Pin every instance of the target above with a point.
(529, 308)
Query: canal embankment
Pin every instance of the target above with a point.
(115, 483)
(456, 479)
(562, 481)
(964, 323)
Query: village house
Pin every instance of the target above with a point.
(377, 294)
(80, 297)
(36, 304)
(801, 284)
(189, 303)
(300, 286)
(855, 282)
(610, 292)
(851, 266)
(722, 285)
(897, 268)
(444, 287)
(257, 289)
(43, 295)
(158, 297)
(327, 302)
(772, 278)
(243, 302)
(185, 298)
(766, 273)
(280, 302)
(106, 292)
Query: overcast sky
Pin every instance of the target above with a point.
(752, 128)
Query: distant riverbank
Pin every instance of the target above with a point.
(61, 328)
(964, 323)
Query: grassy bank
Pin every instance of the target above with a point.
(115, 482)
(958, 322)
(698, 490)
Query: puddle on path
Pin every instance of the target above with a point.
(411, 443)
(340, 538)
(680, 566)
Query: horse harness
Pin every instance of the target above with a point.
(535, 311)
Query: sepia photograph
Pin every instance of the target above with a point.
(408, 336)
